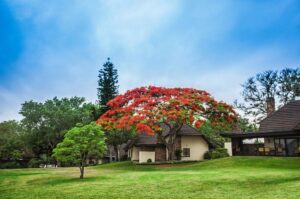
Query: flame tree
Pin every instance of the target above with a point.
(144, 109)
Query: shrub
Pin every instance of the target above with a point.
(124, 158)
(216, 153)
(149, 160)
(10, 165)
(178, 153)
(34, 163)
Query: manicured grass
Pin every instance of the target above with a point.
(237, 177)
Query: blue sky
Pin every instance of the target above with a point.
(55, 48)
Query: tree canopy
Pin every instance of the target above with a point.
(81, 143)
(46, 123)
(145, 109)
(11, 143)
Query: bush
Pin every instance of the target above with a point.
(124, 158)
(10, 165)
(216, 153)
(34, 163)
(178, 153)
(149, 160)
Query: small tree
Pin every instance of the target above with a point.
(79, 144)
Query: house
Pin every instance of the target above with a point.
(191, 142)
(278, 135)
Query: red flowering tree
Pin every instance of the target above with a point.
(144, 109)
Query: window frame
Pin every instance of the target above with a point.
(186, 152)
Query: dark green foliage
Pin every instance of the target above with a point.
(216, 153)
(34, 163)
(149, 160)
(10, 165)
(244, 125)
(107, 83)
(11, 142)
(178, 153)
(80, 144)
(212, 134)
(124, 158)
(46, 123)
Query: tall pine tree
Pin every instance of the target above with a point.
(107, 84)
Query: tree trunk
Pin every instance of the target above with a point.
(81, 168)
(170, 144)
(110, 153)
(116, 152)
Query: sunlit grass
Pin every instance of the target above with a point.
(238, 177)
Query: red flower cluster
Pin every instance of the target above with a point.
(143, 109)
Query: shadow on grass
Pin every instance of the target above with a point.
(17, 174)
(60, 180)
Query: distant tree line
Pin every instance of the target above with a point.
(31, 141)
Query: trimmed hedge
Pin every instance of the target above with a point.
(216, 153)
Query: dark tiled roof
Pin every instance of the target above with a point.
(188, 130)
(185, 130)
(150, 140)
(287, 118)
(144, 139)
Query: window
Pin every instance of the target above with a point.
(186, 152)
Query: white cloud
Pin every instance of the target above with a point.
(165, 43)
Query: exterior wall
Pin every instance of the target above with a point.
(145, 155)
(160, 153)
(227, 146)
(198, 146)
(135, 153)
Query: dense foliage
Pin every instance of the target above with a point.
(80, 144)
(46, 123)
(216, 153)
(145, 109)
(12, 146)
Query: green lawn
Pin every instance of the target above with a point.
(238, 177)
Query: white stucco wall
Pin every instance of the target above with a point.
(145, 155)
(135, 153)
(228, 146)
(198, 146)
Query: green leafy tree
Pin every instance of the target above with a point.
(46, 123)
(244, 125)
(107, 84)
(80, 144)
(11, 143)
